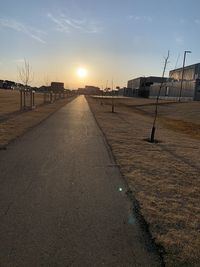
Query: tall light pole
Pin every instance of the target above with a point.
(185, 52)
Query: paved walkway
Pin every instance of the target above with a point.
(63, 201)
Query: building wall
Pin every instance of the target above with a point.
(172, 90)
(191, 83)
(197, 71)
(134, 83)
(141, 86)
(90, 90)
(57, 86)
(129, 92)
(197, 91)
(191, 72)
(121, 91)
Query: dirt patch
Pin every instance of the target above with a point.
(163, 177)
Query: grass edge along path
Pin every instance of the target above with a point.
(163, 178)
(18, 125)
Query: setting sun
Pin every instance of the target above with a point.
(81, 72)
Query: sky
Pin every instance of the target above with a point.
(112, 39)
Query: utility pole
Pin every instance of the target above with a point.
(185, 52)
(152, 140)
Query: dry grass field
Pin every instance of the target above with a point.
(163, 177)
(14, 122)
(10, 101)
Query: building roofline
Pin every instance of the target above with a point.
(147, 77)
(189, 66)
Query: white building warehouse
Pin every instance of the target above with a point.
(171, 88)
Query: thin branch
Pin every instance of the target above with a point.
(158, 95)
(25, 73)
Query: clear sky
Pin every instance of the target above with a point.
(119, 39)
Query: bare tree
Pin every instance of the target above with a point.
(25, 73)
(46, 81)
(48, 94)
(26, 76)
(152, 140)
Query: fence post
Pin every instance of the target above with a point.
(24, 93)
(20, 99)
(31, 99)
(44, 97)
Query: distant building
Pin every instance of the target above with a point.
(1, 83)
(92, 90)
(171, 88)
(121, 91)
(89, 90)
(81, 91)
(141, 86)
(57, 86)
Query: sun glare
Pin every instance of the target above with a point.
(81, 72)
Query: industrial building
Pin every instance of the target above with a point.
(141, 86)
(172, 87)
(89, 90)
(57, 86)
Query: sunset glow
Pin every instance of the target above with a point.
(82, 72)
(91, 42)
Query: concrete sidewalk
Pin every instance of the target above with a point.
(63, 200)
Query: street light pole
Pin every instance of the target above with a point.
(185, 52)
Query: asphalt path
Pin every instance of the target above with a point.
(63, 201)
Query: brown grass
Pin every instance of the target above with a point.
(185, 119)
(163, 177)
(14, 123)
(10, 101)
